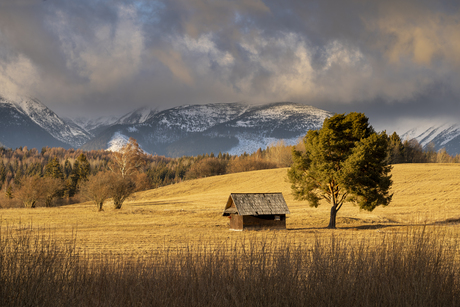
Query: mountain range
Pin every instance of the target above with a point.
(186, 130)
(197, 129)
(442, 135)
(28, 122)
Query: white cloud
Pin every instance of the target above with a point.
(111, 57)
(18, 77)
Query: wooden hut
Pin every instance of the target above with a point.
(256, 211)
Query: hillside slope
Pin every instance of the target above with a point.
(191, 212)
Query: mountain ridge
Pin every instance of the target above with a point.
(44, 126)
(228, 127)
(186, 130)
(444, 134)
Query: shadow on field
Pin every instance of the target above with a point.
(363, 227)
(160, 203)
(450, 221)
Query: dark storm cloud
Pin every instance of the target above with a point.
(388, 58)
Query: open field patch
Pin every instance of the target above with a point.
(191, 211)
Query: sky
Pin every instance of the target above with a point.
(398, 61)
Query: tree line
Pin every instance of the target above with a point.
(57, 174)
(411, 151)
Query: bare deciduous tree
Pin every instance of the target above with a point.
(128, 160)
(120, 189)
(125, 166)
(30, 191)
(98, 188)
(50, 189)
(34, 189)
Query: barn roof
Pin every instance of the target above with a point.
(256, 204)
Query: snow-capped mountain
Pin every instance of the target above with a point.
(27, 112)
(442, 135)
(138, 116)
(198, 129)
(93, 126)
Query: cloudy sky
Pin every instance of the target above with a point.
(397, 61)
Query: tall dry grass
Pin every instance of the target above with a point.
(416, 268)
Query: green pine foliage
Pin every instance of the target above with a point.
(53, 169)
(345, 161)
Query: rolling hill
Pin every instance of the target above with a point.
(191, 211)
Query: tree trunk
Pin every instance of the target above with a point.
(99, 206)
(333, 216)
(117, 205)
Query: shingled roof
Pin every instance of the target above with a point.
(256, 204)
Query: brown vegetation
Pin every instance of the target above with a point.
(97, 189)
(74, 166)
(415, 268)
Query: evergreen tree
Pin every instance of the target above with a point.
(18, 176)
(9, 192)
(34, 169)
(2, 172)
(343, 161)
(52, 183)
(53, 169)
(74, 179)
(83, 168)
(67, 168)
(395, 149)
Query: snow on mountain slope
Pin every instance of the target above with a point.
(197, 118)
(17, 129)
(442, 135)
(117, 142)
(283, 115)
(173, 124)
(93, 126)
(48, 120)
(262, 126)
(233, 127)
(138, 116)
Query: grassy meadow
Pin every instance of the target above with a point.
(191, 211)
(172, 247)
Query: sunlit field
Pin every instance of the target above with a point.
(172, 247)
(191, 211)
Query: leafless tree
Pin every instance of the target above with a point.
(129, 160)
(126, 166)
(98, 188)
(120, 189)
(50, 189)
(30, 191)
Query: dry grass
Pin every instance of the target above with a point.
(172, 247)
(181, 214)
(416, 268)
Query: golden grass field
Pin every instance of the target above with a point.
(191, 212)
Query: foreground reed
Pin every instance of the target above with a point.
(416, 268)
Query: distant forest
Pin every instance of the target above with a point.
(72, 167)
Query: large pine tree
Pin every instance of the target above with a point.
(343, 161)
